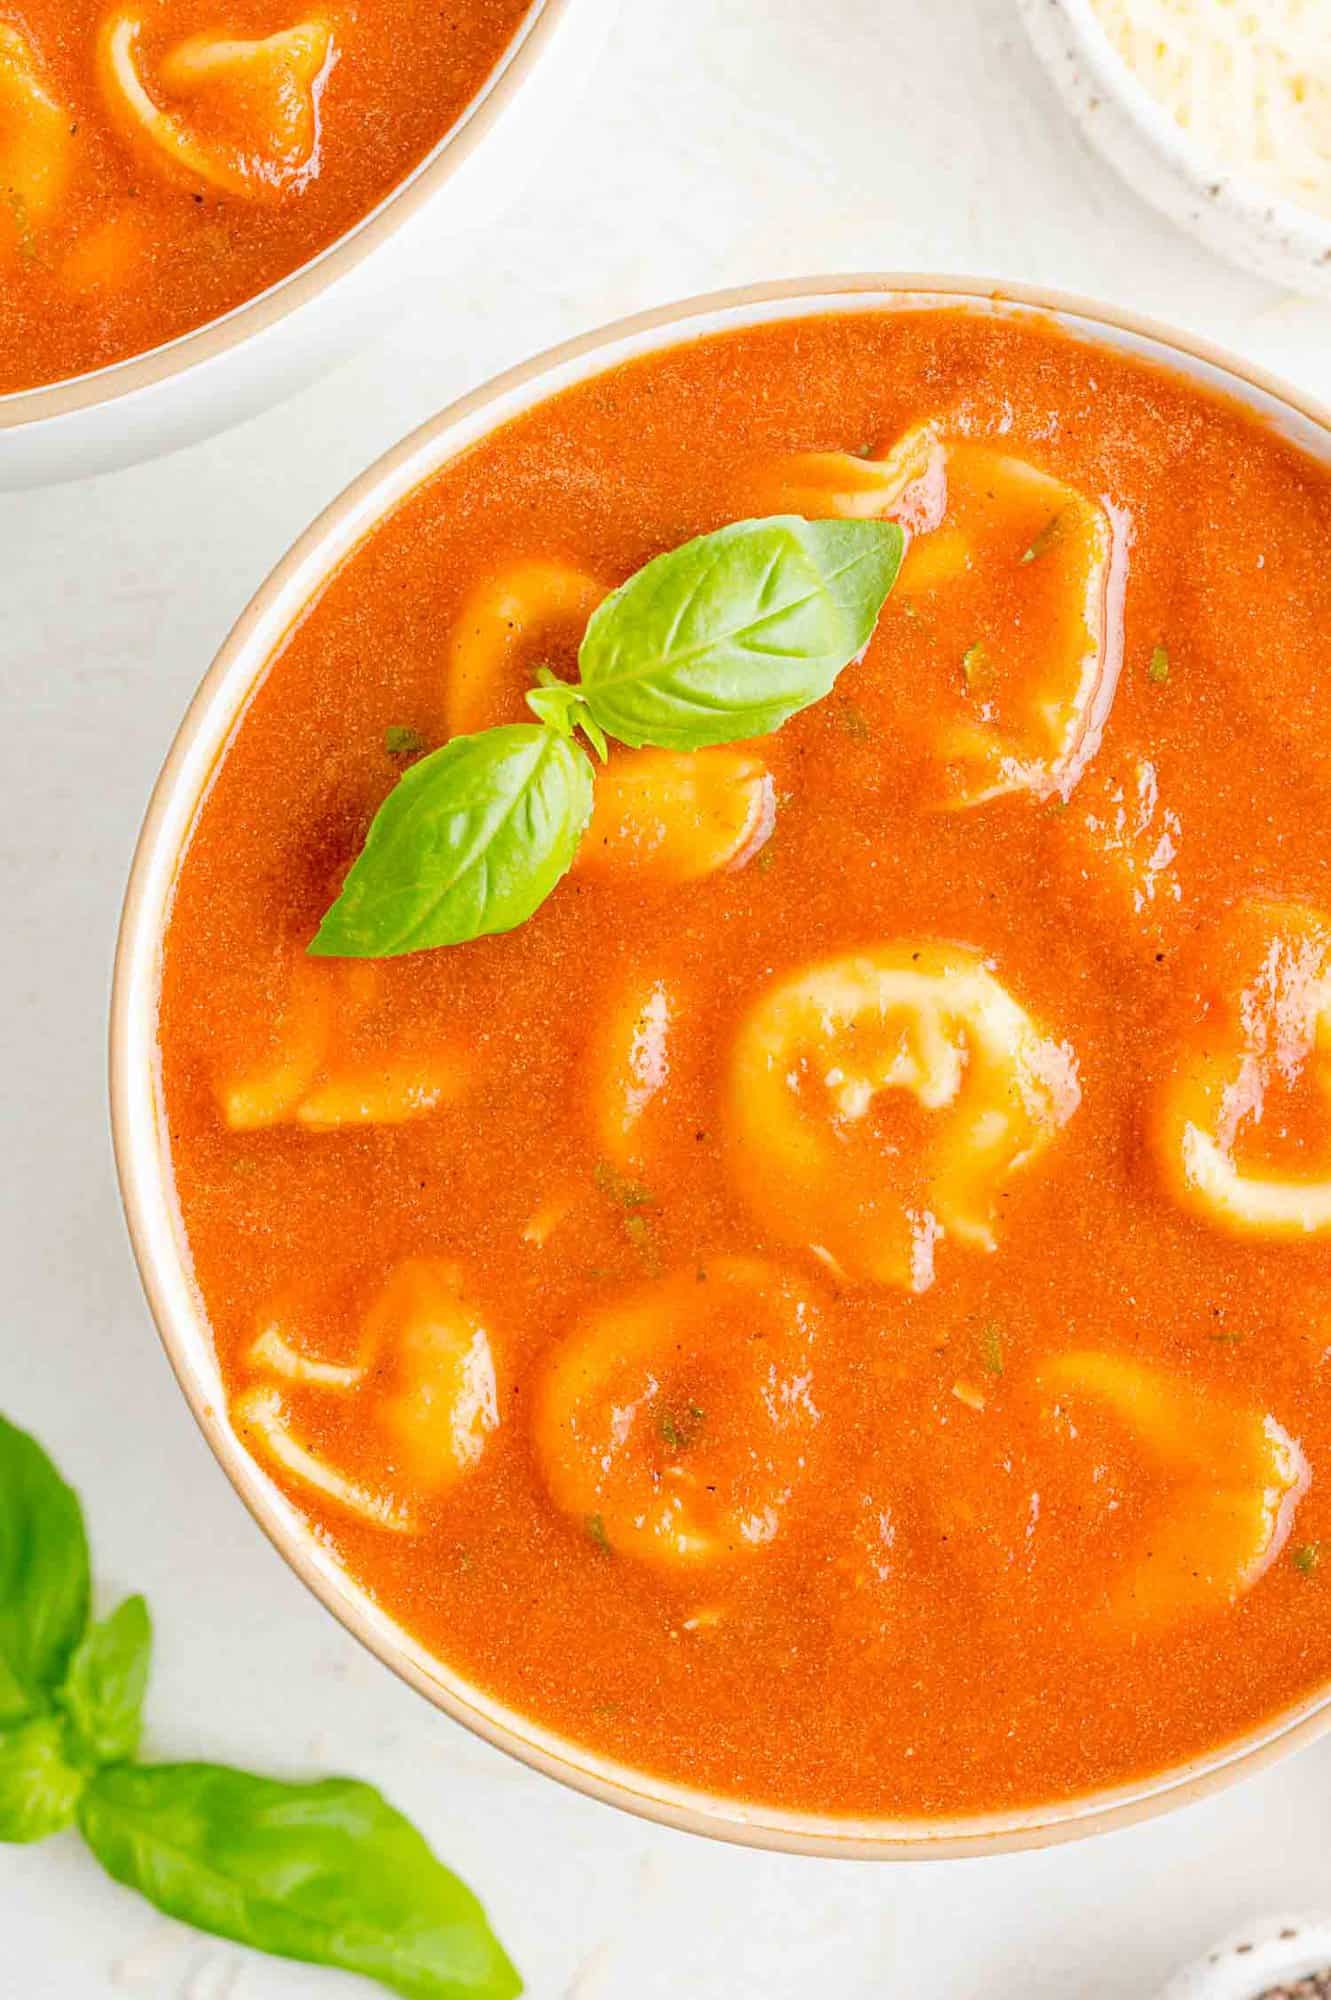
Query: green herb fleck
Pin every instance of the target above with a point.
(399, 741)
(1158, 670)
(619, 1188)
(1306, 1557)
(991, 1349)
(679, 1428)
(972, 660)
(27, 240)
(1226, 1339)
(854, 722)
(596, 1532)
(1046, 538)
(638, 1229)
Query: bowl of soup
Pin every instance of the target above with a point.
(722, 1065)
(201, 210)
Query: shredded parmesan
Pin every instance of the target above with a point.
(1249, 80)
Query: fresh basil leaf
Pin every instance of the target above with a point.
(471, 841)
(43, 1574)
(39, 1787)
(107, 1680)
(733, 633)
(325, 1872)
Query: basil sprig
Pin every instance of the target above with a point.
(325, 1872)
(722, 639)
(44, 1580)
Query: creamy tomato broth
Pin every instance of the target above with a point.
(834, 1308)
(161, 161)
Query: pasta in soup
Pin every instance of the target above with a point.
(746, 1040)
(162, 161)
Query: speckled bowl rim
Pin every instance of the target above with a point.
(1287, 226)
(141, 1154)
(22, 408)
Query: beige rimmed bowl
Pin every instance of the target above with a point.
(137, 1112)
(287, 336)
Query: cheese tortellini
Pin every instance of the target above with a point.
(669, 816)
(36, 147)
(1224, 1482)
(240, 117)
(1034, 570)
(675, 1422)
(333, 1064)
(498, 635)
(425, 1368)
(1242, 1126)
(629, 1066)
(904, 482)
(883, 1101)
(1028, 570)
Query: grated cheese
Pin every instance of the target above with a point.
(1248, 80)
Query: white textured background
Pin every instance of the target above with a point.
(721, 140)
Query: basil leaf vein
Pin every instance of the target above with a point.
(107, 1680)
(470, 842)
(736, 631)
(328, 1873)
(44, 1579)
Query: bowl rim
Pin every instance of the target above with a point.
(139, 1142)
(1262, 209)
(109, 384)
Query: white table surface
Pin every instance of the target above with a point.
(723, 140)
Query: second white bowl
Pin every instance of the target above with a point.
(1230, 212)
(285, 338)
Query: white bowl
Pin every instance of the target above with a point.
(287, 336)
(138, 1123)
(1230, 212)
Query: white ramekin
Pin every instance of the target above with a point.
(1230, 212)
(1270, 1951)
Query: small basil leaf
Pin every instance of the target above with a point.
(733, 633)
(471, 841)
(555, 704)
(328, 1873)
(39, 1787)
(107, 1679)
(564, 709)
(43, 1574)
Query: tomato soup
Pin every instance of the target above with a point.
(162, 161)
(835, 1306)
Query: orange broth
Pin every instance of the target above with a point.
(125, 224)
(941, 1598)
